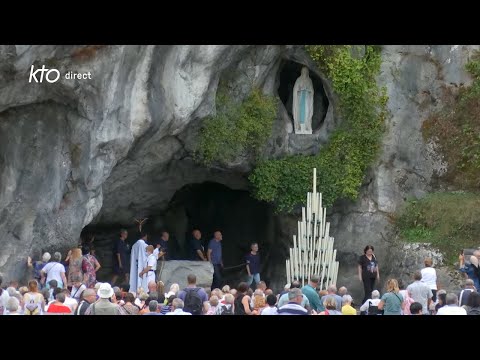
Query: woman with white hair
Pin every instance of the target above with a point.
(174, 289)
(37, 266)
(347, 308)
(12, 306)
(54, 270)
(330, 305)
(373, 301)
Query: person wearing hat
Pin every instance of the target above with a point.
(472, 269)
(103, 306)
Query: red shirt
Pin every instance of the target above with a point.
(53, 308)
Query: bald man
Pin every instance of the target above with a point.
(197, 251)
(214, 255)
(89, 297)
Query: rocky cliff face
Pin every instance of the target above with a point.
(418, 79)
(119, 145)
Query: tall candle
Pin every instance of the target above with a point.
(314, 189)
(287, 266)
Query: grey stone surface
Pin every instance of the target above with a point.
(176, 271)
(113, 143)
(417, 78)
(120, 145)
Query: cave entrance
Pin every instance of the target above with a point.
(241, 219)
(289, 72)
(208, 206)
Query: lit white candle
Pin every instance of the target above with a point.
(322, 278)
(314, 192)
(334, 255)
(318, 206)
(297, 265)
(287, 266)
(299, 231)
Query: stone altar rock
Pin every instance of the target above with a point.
(176, 271)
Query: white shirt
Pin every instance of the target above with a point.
(54, 271)
(451, 310)
(77, 292)
(152, 261)
(429, 277)
(365, 306)
(269, 311)
(3, 300)
(71, 303)
(178, 312)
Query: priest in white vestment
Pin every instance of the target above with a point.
(137, 262)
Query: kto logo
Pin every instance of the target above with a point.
(51, 78)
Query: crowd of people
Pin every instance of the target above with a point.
(70, 287)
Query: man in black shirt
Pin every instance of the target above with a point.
(121, 266)
(197, 251)
(253, 265)
(89, 297)
(162, 246)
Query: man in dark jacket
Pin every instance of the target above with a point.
(89, 298)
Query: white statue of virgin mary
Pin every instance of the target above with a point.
(303, 103)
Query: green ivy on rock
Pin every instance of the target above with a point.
(237, 129)
(342, 163)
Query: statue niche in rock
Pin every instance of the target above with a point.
(303, 103)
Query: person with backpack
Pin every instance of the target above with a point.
(473, 304)
(464, 295)
(193, 297)
(33, 300)
(227, 308)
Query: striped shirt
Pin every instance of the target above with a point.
(292, 308)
